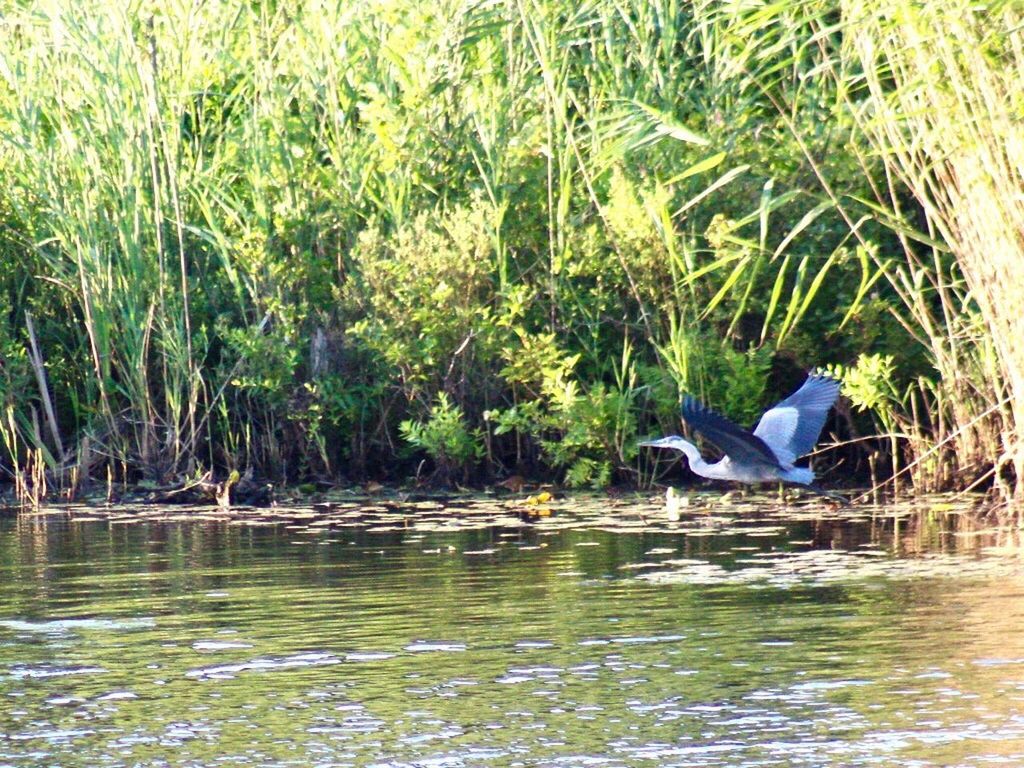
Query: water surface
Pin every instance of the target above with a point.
(583, 634)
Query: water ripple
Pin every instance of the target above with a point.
(264, 664)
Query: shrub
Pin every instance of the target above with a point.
(446, 438)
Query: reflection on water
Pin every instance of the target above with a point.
(769, 639)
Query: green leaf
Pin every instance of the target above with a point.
(666, 125)
(720, 182)
(704, 165)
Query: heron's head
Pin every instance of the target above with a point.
(672, 441)
(676, 443)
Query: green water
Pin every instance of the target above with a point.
(748, 642)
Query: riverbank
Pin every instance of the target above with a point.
(544, 508)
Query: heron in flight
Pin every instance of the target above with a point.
(786, 431)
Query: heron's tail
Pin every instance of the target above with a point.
(802, 475)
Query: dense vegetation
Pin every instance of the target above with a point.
(464, 239)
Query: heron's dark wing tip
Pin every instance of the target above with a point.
(825, 382)
(819, 376)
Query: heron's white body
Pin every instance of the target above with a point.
(726, 469)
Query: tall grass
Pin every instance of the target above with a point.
(322, 239)
(923, 97)
(942, 101)
(92, 179)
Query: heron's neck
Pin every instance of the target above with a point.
(697, 464)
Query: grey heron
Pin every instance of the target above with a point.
(786, 431)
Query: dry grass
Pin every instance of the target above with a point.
(944, 111)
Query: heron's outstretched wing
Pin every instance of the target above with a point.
(791, 428)
(740, 445)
